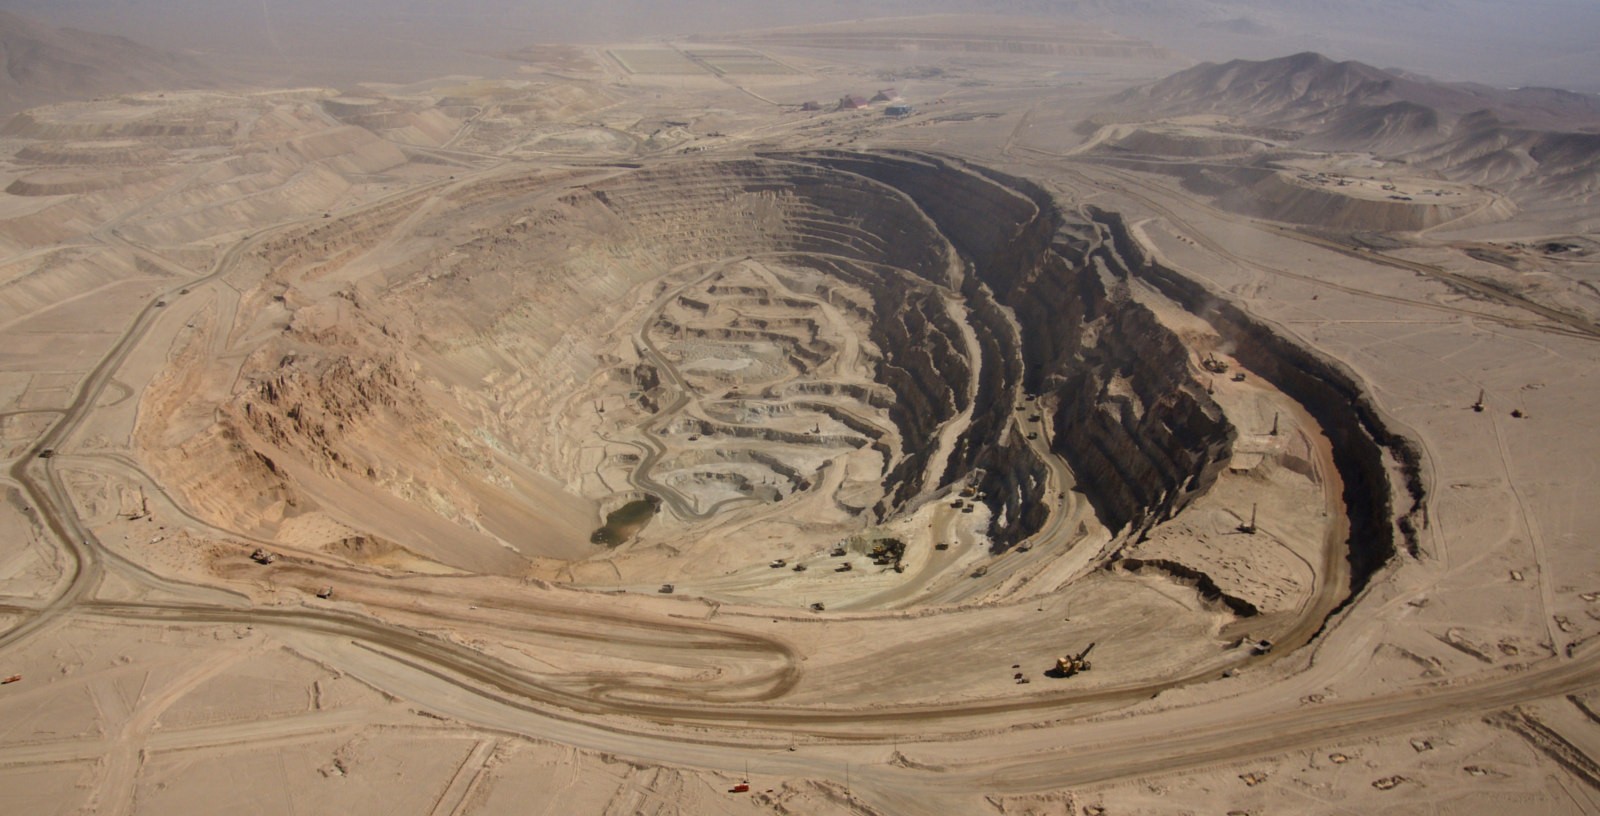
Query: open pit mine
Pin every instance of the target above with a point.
(650, 438)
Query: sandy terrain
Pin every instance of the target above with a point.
(598, 440)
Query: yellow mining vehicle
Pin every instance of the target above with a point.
(1070, 665)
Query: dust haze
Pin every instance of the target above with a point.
(857, 408)
(1547, 42)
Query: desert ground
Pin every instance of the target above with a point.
(774, 409)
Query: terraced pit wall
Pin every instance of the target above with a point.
(1045, 297)
(1329, 393)
(1140, 433)
(845, 227)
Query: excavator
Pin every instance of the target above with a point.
(1070, 665)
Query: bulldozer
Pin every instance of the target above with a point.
(1069, 665)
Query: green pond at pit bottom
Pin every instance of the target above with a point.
(626, 521)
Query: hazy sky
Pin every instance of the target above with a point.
(1548, 42)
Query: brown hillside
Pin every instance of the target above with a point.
(42, 64)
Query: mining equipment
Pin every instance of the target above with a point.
(1068, 665)
(666, 589)
(12, 679)
(817, 607)
(943, 545)
(1250, 527)
(888, 551)
(1213, 365)
(47, 453)
(261, 556)
(1478, 406)
(799, 567)
(838, 551)
(325, 593)
(778, 563)
(1257, 646)
(845, 567)
(1238, 376)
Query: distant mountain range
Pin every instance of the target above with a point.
(40, 63)
(1521, 139)
(1307, 85)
